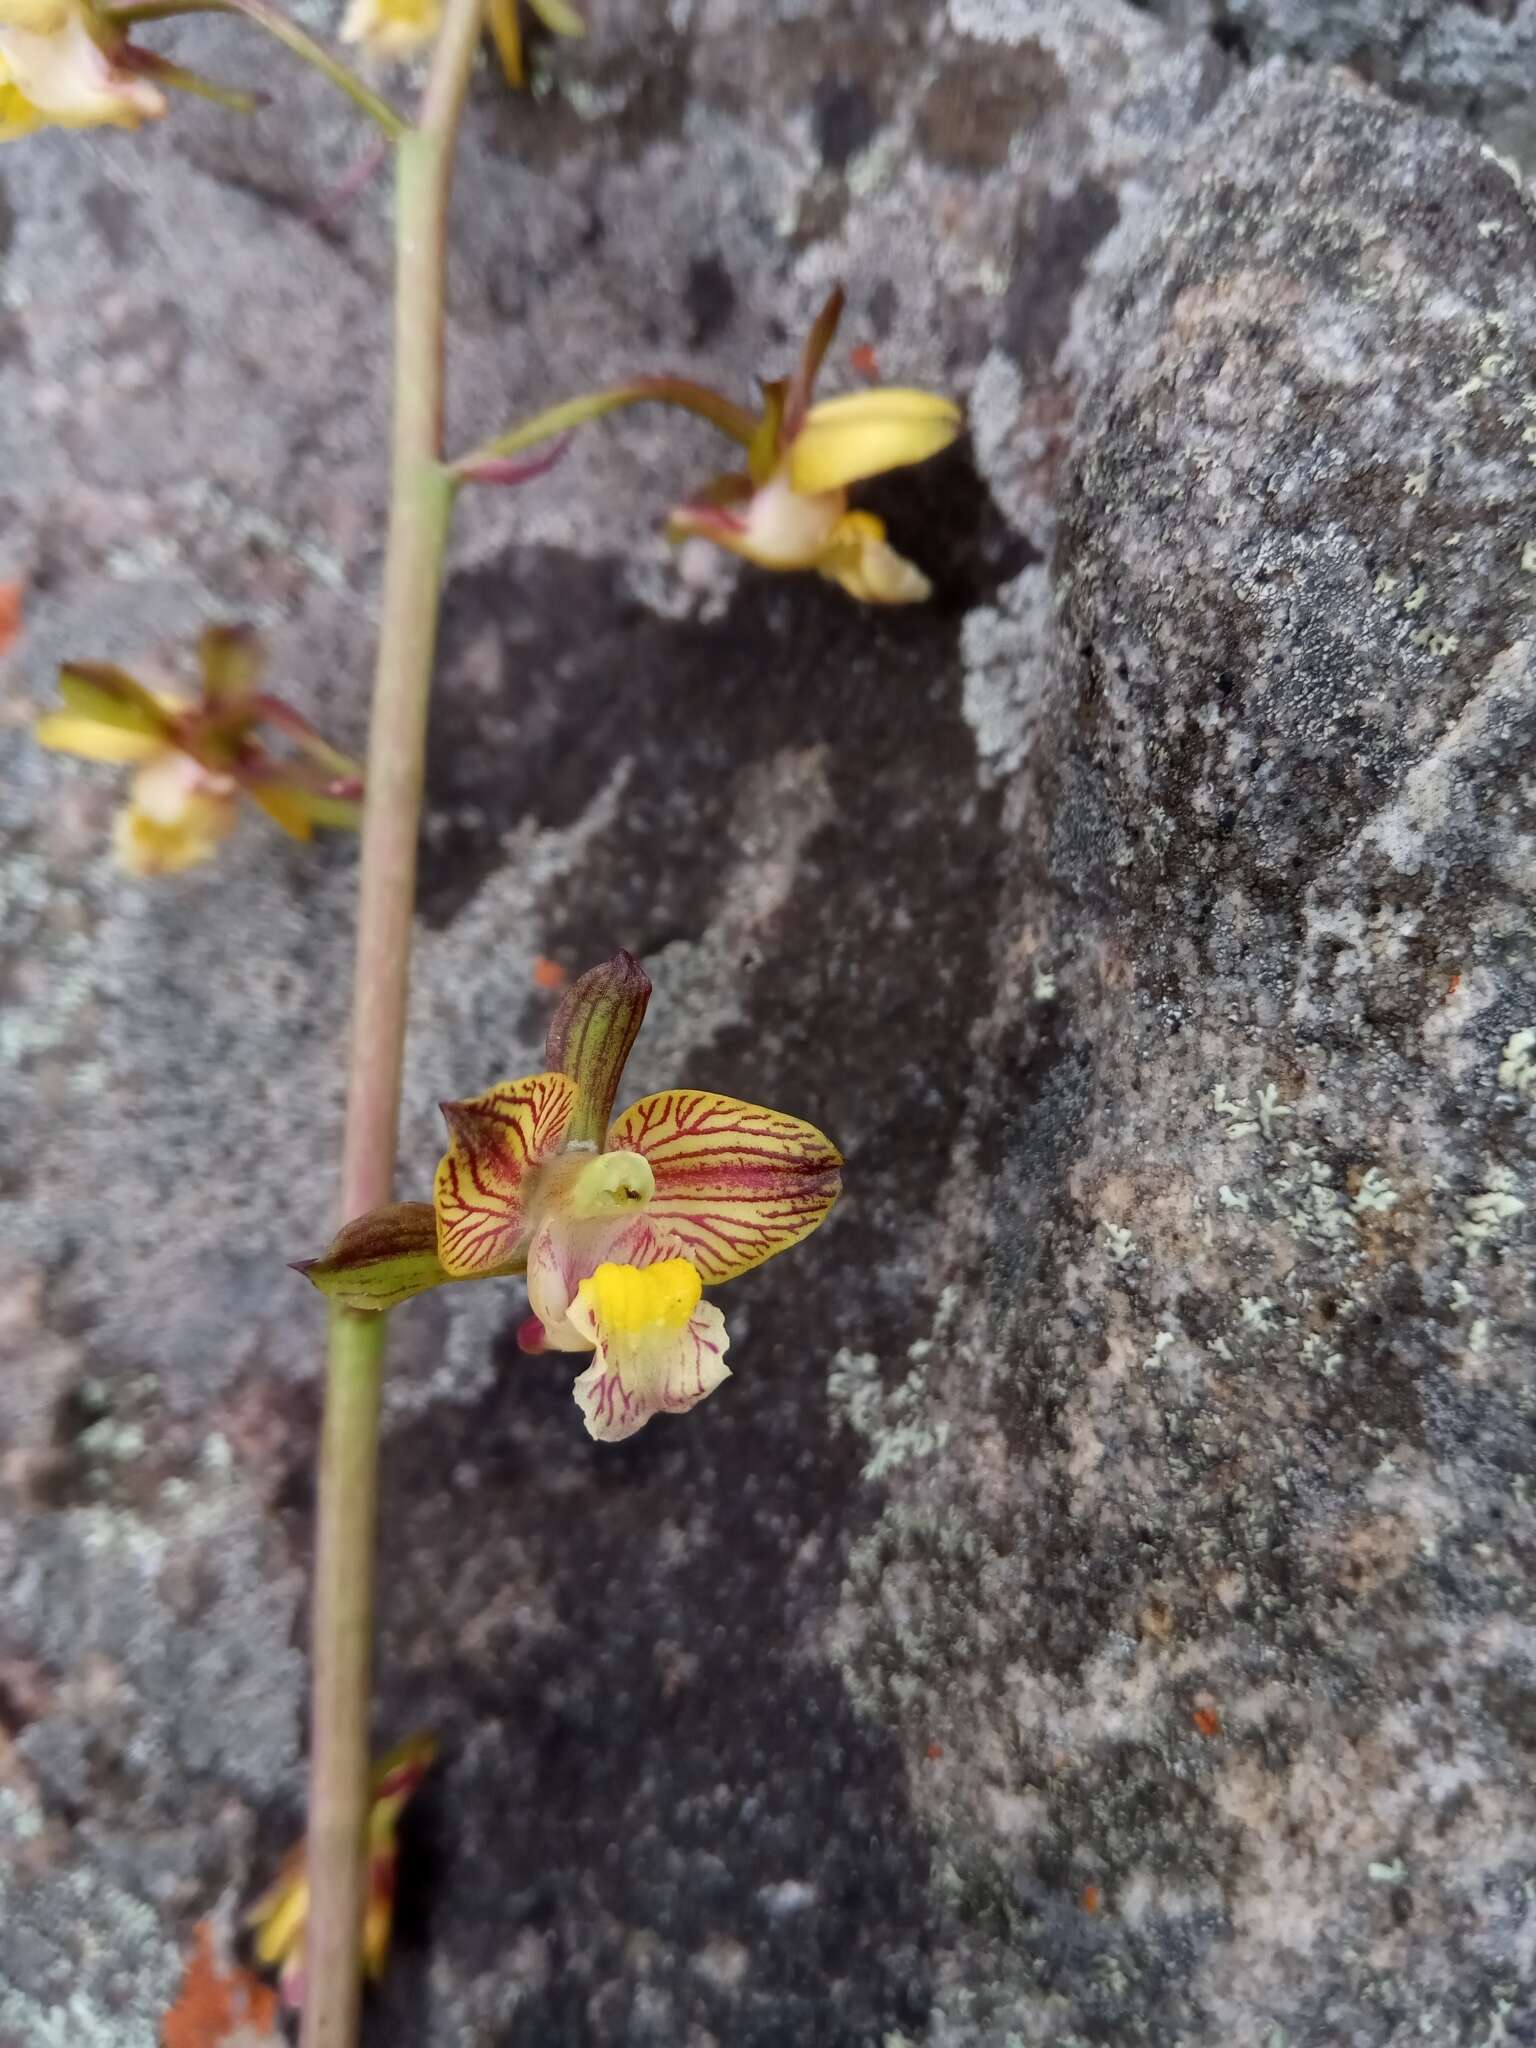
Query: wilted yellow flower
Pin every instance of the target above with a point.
(280, 1915)
(60, 67)
(788, 509)
(195, 760)
(618, 1225)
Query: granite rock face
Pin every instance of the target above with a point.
(1462, 57)
(1098, 1609)
(1205, 1565)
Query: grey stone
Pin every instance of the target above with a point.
(1205, 1565)
(1475, 59)
(1148, 918)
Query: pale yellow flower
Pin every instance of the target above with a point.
(789, 508)
(56, 71)
(195, 759)
(392, 28)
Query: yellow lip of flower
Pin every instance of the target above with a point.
(632, 1301)
(54, 73)
(656, 1348)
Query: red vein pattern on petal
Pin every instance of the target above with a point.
(480, 1193)
(626, 1384)
(734, 1183)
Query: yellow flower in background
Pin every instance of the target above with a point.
(280, 1915)
(788, 508)
(392, 28)
(559, 18)
(196, 759)
(618, 1224)
(60, 68)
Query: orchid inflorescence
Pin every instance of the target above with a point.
(618, 1225)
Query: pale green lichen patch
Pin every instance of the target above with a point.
(896, 1422)
(1517, 1064)
(1484, 1226)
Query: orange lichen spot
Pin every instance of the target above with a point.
(1207, 1721)
(10, 613)
(934, 1751)
(1455, 984)
(864, 360)
(1090, 1898)
(549, 973)
(218, 2007)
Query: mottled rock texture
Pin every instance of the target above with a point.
(1473, 58)
(1098, 1609)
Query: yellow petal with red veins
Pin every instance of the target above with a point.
(868, 432)
(734, 1183)
(659, 1349)
(482, 1189)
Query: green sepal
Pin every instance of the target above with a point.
(110, 696)
(590, 1038)
(379, 1260)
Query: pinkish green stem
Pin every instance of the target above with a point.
(421, 497)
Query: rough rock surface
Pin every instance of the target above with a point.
(1473, 58)
(1098, 1609)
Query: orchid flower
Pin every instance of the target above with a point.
(392, 29)
(61, 67)
(788, 508)
(618, 1225)
(67, 64)
(194, 760)
(280, 1914)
